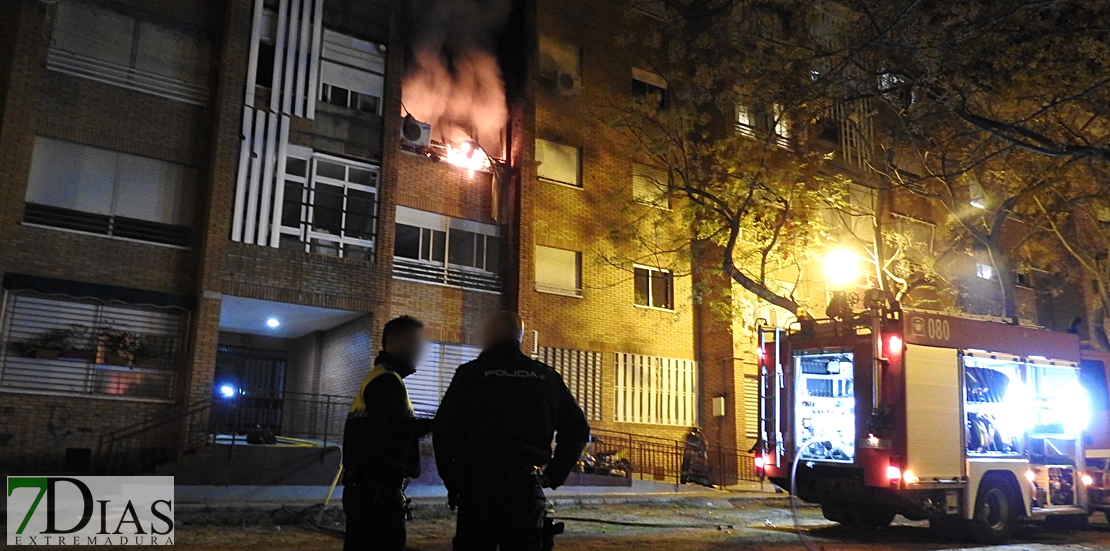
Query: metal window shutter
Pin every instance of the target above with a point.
(92, 31)
(89, 368)
(557, 270)
(433, 374)
(558, 162)
(751, 406)
(171, 53)
(72, 176)
(149, 189)
(581, 370)
(351, 78)
(649, 184)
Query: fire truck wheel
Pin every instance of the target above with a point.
(996, 514)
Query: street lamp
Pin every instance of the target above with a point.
(841, 266)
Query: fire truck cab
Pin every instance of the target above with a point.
(971, 424)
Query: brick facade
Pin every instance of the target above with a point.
(35, 101)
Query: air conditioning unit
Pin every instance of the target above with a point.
(415, 133)
(567, 84)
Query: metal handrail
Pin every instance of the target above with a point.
(661, 459)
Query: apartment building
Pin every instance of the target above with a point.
(204, 201)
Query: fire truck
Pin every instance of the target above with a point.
(972, 424)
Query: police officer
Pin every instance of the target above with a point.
(380, 443)
(493, 441)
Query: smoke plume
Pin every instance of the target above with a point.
(452, 80)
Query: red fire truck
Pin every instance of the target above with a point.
(972, 424)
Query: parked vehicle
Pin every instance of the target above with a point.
(603, 460)
(972, 424)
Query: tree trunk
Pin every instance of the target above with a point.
(1004, 271)
(1098, 327)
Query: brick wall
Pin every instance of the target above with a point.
(40, 428)
(605, 318)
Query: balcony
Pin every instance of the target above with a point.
(408, 269)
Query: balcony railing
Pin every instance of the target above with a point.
(424, 272)
(110, 73)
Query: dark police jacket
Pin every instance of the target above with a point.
(380, 438)
(498, 418)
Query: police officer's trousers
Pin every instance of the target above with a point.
(375, 513)
(500, 513)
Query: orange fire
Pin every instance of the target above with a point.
(468, 155)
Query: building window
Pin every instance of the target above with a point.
(649, 86)
(94, 42)
(91, 348)
(558, 271)
(434, 373)
(650, 186)
(88, 189)
(656, 390)
(559, 163)
(581, 371)
(329, 206)
(751, 406)
(352, 73)
(984, 271)
(759, 122)
(432, 248)
(654, 288)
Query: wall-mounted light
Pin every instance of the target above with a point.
(273, 323)
(227, 391)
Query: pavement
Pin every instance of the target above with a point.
(641, 491)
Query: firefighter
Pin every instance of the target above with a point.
(493, 442)
(380, 447)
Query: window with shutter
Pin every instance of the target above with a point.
(89, 347)
(558, 163)
(649, 185)
(751, 406)
(94, 42)
(656, 390)
(434, 373)
(83, 188)
(558, 271)
(432, 248)
(352, 73)
(581, 371)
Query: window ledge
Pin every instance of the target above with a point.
(102, 236)
(655, 308)
(560, 292)
(558, 183)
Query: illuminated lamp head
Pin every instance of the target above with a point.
(227, 391)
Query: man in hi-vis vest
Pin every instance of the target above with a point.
(380, 443)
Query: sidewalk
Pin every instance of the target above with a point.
(190, 497)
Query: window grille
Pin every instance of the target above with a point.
(656, 390)
(581, 371)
